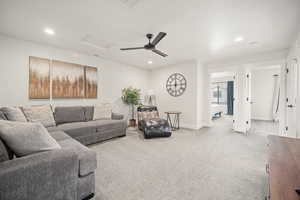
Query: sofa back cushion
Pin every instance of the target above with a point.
(14, 114)
(89, 113)
(64, 114)
(2, 116)
(42, 114)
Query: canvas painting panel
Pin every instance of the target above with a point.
(39, 78)
(67, 80)
(91, 82)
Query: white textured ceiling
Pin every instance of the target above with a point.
(197, 29)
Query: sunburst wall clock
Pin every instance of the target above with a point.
(176, 84)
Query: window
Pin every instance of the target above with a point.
(219, 93)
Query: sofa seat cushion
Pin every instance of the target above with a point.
(87, 157)
(59, 135)
(76, 129)
(110, 125)
(80, 129)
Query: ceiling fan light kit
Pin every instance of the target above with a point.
(151, 46)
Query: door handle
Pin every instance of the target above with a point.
(290, 106)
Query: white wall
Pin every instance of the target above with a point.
(262, 90)
(14, 70)
(203, 97)
(192, 100)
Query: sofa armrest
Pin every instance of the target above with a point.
(117, 116)
(48, 175)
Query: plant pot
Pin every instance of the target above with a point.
(132, 123)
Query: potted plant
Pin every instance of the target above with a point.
(131, 97)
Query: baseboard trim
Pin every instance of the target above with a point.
(190, 126)
(261, 119)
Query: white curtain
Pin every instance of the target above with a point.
(276, 98)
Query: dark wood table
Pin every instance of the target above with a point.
(283, 168)
(174, 123)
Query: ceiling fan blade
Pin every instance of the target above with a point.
(133, 48)
(159, 53)
(158, 38)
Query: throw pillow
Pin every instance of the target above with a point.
(26, 138)
(14, 114)
(148, 115)
(42, 114)
(102, 111)
(2, 116)
(5, 152)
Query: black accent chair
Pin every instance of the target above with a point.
(150, 123)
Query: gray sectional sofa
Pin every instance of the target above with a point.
(64, 174)
(78, 123)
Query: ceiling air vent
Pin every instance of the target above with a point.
(130, 3)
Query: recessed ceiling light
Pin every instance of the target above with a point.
(253, 43)
(150, 62)
(49, 31)
(239, 39)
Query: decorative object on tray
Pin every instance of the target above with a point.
(175, 121)
(176, 84)
(131, 97)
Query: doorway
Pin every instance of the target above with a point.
(265, 92)
(221, 98)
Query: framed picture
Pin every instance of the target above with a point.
(91, 82)
(68, 80)
(39, 78)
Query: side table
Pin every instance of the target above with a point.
(174, 123)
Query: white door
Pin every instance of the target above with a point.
(242, 101)
(291, 95)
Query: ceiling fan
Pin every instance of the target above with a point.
(151, 44)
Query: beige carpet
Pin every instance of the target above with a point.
(210, 164)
